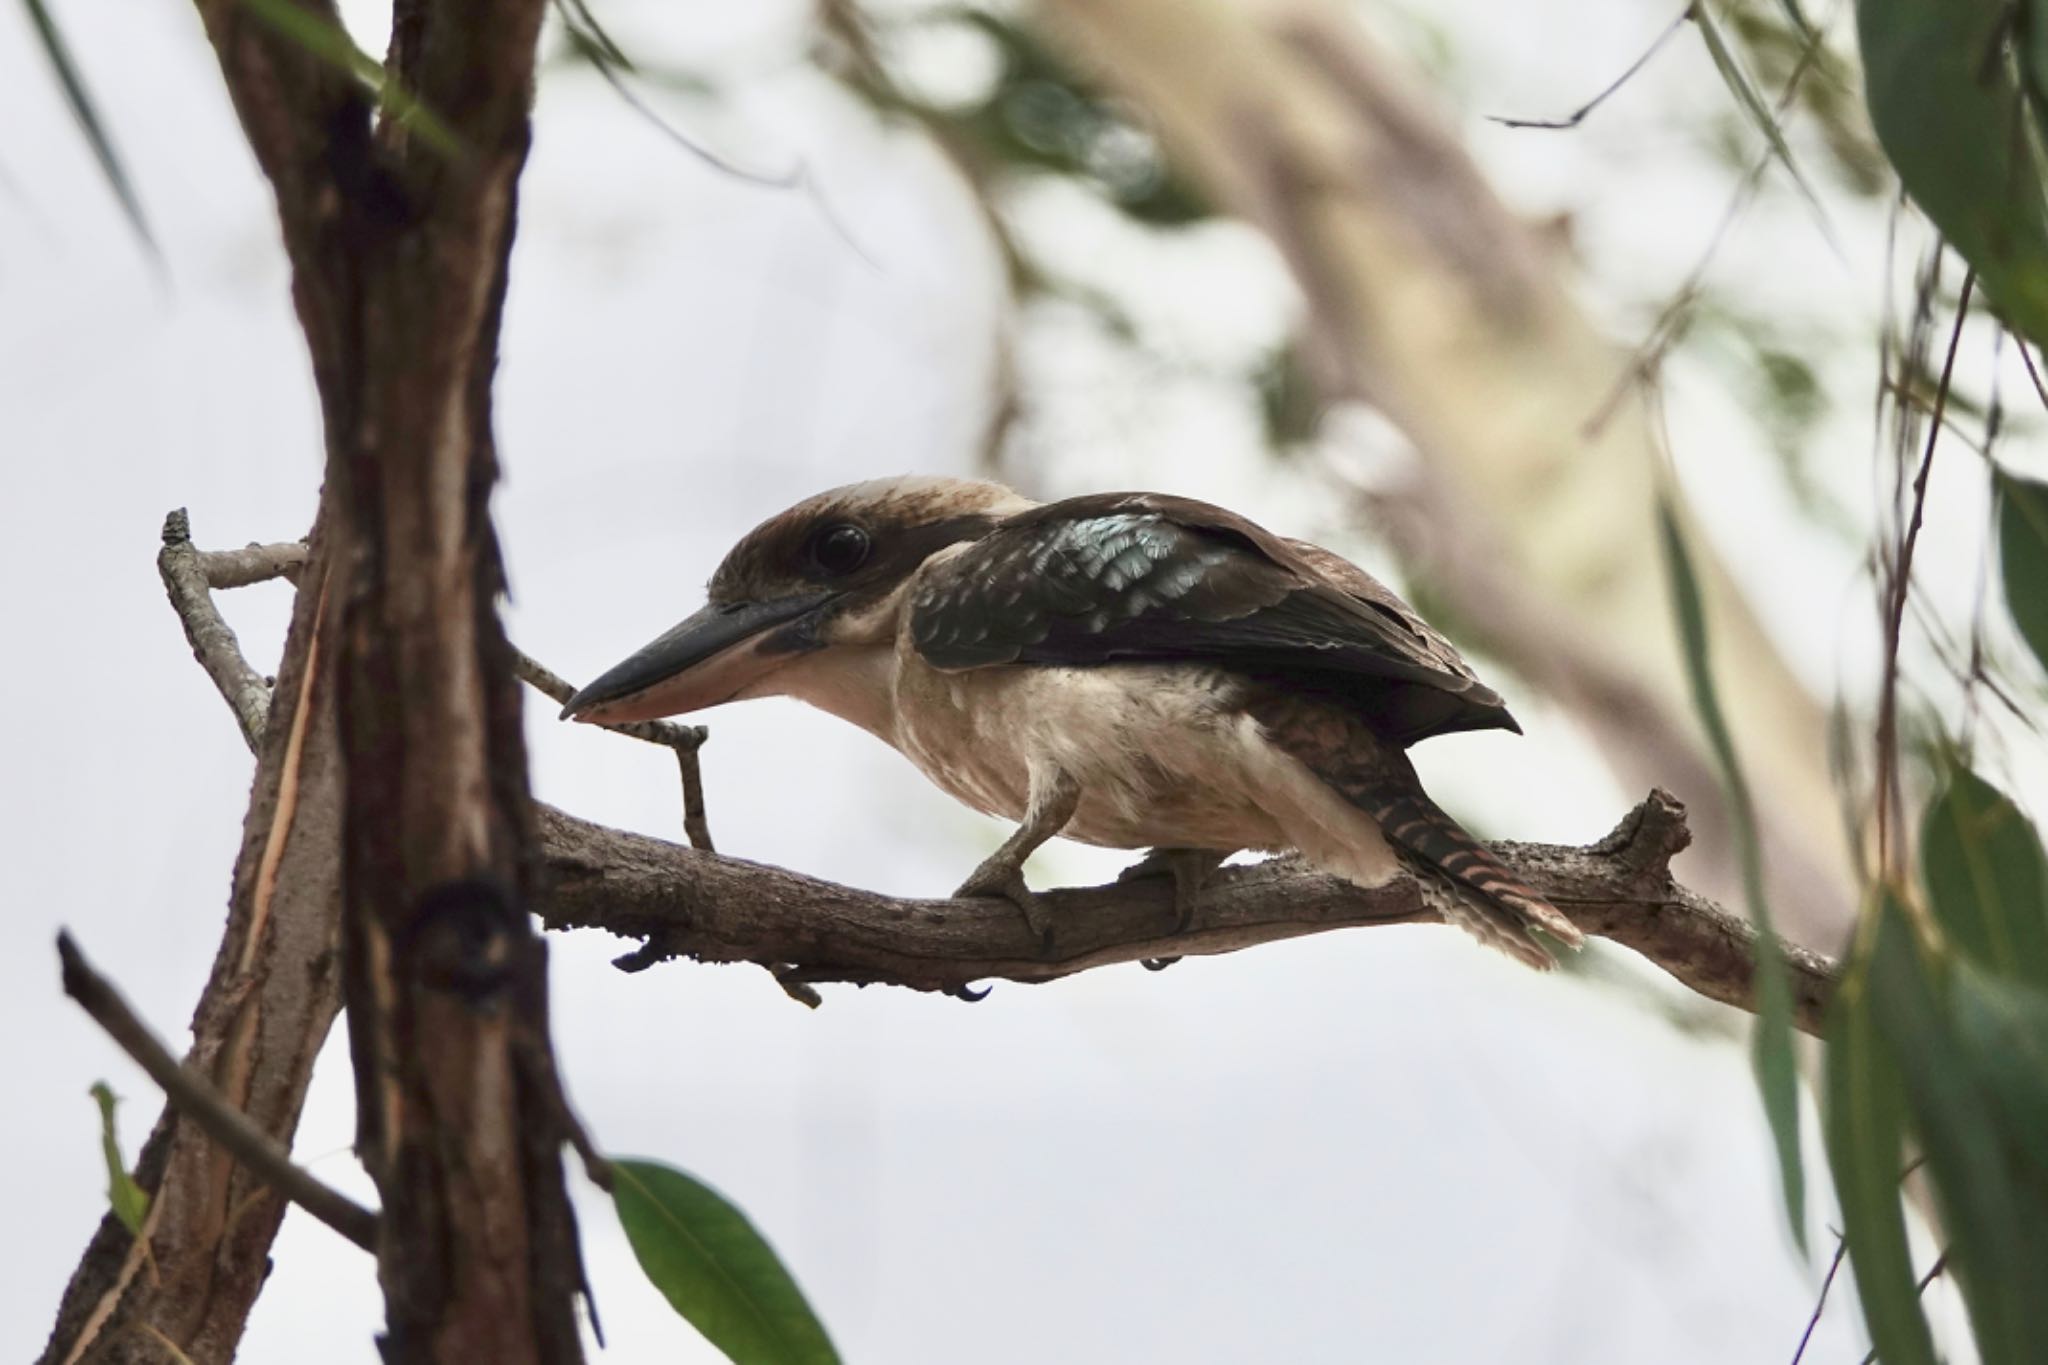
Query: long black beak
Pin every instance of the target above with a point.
(710, 657)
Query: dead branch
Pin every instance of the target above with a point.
(213, 642)
(201, 1103)
(266, 1009)
(253, 564)
(685, 903)
(685, 740)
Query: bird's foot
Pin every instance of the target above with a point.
(998, 877)
(1189, 868)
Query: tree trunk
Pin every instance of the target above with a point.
(392, 796)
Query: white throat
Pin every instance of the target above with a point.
(853, 682)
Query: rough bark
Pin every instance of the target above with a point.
(686, 902)
(399, 254)
(1425, 297)
(444, 978)
(267, 1006)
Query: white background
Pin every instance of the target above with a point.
(1377, 1146)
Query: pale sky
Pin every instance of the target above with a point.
(1384, 1145)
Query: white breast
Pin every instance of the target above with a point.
(1163, 757)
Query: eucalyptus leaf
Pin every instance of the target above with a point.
(1965, 1092)
(129, 1200)
(1948, 113)
(2023, 557)
(79, 100)
(1737, 79)
(1776, 1069)
(1863, 1121)
(323, 38)
(2003, 1026)
(715, 1270)
(1986, 876)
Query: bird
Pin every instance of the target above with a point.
(1132, 670)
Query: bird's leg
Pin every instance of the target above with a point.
(1054, 796)
(1189, 868)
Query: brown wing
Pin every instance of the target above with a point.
(1144, 577)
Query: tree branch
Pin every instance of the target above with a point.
(684, 902)
(184, 571)
(201, 1103)
(266, 1009)
(685, 740)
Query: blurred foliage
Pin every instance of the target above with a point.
(1777, 1071)
(1776, 46)
(1949, 104)
(715, 1270)
(85, 112)
(2023, 556)
(1938, 1037)
(1939, 1032)
(1038, 115)
(1735, 75)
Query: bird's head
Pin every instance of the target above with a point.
(826, 573)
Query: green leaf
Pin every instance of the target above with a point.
(1864, 1120)
(715, 1269)
(1970, 1059)
(2003, 1025)
(2023, 557)
(1986, 877)
(129, 1200)
(1738, 81)
(1777, 1072)
(324, 39)
(80, 102)
(1948, 113)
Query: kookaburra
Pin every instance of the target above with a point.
(1126, 669)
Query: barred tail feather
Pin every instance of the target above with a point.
(1464, 882)
(1460, 879)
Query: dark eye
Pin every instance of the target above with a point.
(839, 550)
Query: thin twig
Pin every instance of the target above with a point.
(1578, 116)
(200, 1102)
(1841, 1250)
(183, 569)
(696, 826)
(1890, 799)
(666, 733)
(684, 739)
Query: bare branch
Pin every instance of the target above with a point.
(201, 1103)
(668, 734)
(186, 578)
(684, 902)
(266, 1008)
(684, 739)
(253, 564)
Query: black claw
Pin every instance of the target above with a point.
(1157, 964)
(969, 994)
(1007, 883)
